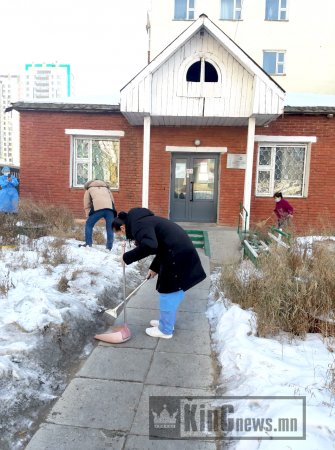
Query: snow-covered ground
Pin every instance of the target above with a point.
(43, 330)
(254, 366)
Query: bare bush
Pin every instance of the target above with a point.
(55, 256)
(38, 219)
(63, 284)
(5, 283)
(291, 290)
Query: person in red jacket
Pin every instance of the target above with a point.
(283, 210)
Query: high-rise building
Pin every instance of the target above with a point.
(9, 122)
(292, 40)
(47, 81)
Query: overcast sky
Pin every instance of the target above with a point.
(105, 41)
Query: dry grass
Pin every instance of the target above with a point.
(5, 284)
(55, 256)
(63, 284)
(290, 290)
(40, 219)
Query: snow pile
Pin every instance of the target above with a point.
(254, 366)
(43, 330)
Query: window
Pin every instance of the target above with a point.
(281, 168)
(276, 10)
(95, 158)
(202, 71)
(273, 62)
(184, 9)
(231, 9)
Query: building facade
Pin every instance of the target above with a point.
(47, 81)
(293, 40)
(9, 122)
(200, 131)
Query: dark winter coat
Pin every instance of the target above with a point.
(176, 262)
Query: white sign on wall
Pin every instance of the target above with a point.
(236, 161)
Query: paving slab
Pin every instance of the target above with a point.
(60, 437)
(140, 425)
(181, 370)
(97, 404)
(187, 341)
(112, 363)
(144, 443)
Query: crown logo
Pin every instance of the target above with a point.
(164, 419)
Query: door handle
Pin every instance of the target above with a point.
(191, 199)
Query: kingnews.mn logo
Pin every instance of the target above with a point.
(173, 417)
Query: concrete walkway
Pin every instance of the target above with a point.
(106, 405)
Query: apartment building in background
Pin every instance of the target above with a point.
(292, 40)
(9, 122)
(47, 81)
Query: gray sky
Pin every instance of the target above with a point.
(105, 41)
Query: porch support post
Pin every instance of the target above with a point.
(248, 170)
(146, 161)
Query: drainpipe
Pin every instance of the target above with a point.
(248, 169)
(146, 161)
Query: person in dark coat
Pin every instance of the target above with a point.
(176, 261)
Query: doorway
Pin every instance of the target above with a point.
(194, 187)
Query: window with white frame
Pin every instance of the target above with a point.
(281, 168)
(95, 158)
(274, 62)
(231, 9)
(184, 9)
(276, 10)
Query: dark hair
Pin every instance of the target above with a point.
(119, 220)
(278, 195)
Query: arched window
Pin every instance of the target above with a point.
(202, 71)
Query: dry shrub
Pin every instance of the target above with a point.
(99, 237)
(63, 284)
(8, 231)
(40, 219)
(5, 283)
(54, 256)
(289, 291)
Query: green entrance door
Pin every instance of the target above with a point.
(194, 187)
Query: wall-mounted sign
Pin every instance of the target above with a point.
(236, 161)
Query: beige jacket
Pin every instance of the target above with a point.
(97, 196)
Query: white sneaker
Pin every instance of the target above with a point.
(156, 332)
(155, 323)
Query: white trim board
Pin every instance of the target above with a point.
(110, 133)
(194, 149)
(304, 139)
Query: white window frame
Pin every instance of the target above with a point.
(278, 63)
(267, 142)
(280, 10)
(103, 135)
(235, 10)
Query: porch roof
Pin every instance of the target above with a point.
(153, 91)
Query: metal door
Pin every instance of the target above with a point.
(194, 187)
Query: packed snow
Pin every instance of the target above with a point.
(44, 330)
(280, 366)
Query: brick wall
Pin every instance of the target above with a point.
(319, 207)
(45, 158)
(45, 163)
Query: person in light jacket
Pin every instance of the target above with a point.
(98, 204)
(9, 197)
(176, 261)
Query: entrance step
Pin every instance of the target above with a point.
(200, 240)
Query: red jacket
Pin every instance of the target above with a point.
(283, 209)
